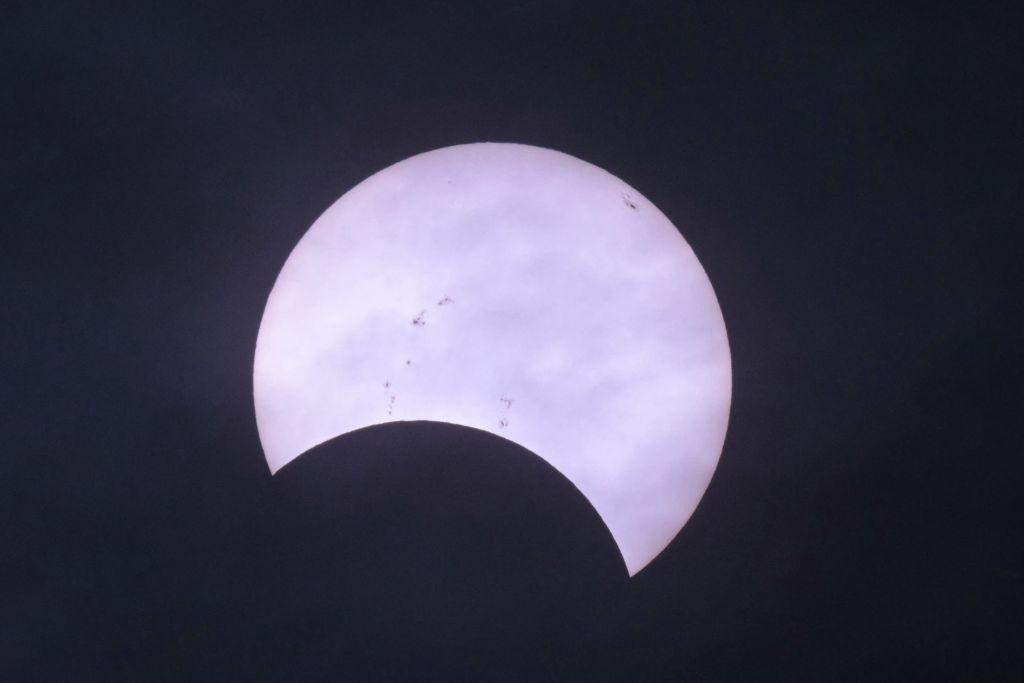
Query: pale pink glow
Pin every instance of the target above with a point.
(516, 290)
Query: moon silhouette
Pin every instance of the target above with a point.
(520, 291)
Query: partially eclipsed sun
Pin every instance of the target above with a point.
(516, 290)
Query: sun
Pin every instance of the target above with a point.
(520, 291)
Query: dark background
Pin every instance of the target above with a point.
(848, 178)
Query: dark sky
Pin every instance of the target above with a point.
(848, 178)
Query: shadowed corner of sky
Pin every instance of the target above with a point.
(406, 551)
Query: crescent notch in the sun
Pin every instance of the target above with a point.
(519, 291)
